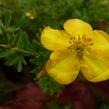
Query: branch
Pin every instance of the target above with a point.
(20, 50)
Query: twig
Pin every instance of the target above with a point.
(16, 49)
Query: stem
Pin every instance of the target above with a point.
(16, 49)
(5, 46)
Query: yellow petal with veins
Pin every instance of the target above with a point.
(100, 45)
(54, 39)
(63, 66)
(77, 27)
(94, 68)
(100, 40)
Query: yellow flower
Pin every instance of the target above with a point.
(77, 48)
(30, 15)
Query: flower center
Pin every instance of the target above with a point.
(80, 44)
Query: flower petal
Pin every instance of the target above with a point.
(100, 44)
(100, 40)
(77, 27)
(54, 39)
(63, 66)
(95, 67)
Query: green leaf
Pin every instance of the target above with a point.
(49, 85)
(37, 46)
(15, 39)
(16, 60)
(22, 41)
(1, 31)
(12, 60)
(19, 66)
(12, 29)
(21, 61)
(8, 19)
(1, 24)
(5, 53)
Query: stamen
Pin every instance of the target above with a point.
(80, 44)
(70, 42)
